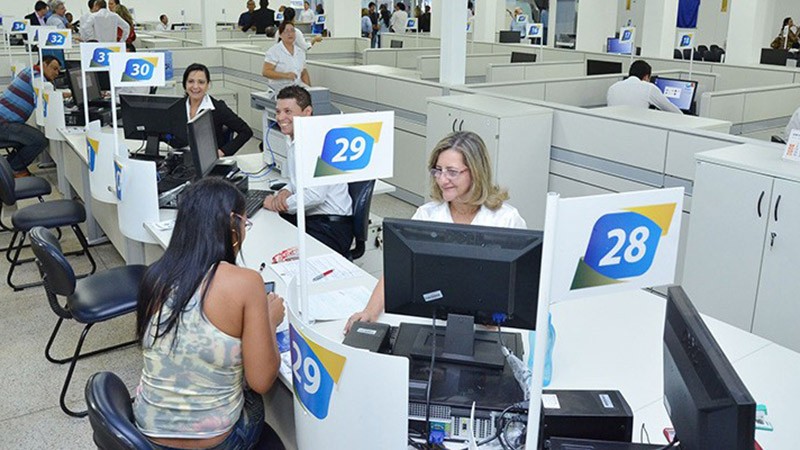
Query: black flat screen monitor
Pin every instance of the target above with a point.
(154, 118)
(522, 57)
(486, 274)
(203, 143)
(775, 57)
(510, 37)
(706, 400)
(613, 45)
(76, 86)
(394, 43)
(680, 93)
(597, 67)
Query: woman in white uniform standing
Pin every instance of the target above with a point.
(285, 63)
(463, 191)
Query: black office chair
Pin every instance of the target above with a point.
(677, 54)
(25, 188)
(714, 55)
(394, 43)
(94, 299)
(687, 54)
(111, 414)
(777, 139)
(361, 194)
(698, 56)
(714, 47)
(702, 50)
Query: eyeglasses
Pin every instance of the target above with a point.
(247, 223)
(450, 174)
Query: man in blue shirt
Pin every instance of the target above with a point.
(246, 18)
(17, 103)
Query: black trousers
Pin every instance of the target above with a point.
(334, 231)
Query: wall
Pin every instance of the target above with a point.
(712, 25)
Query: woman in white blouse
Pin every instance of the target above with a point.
(285, 63)
(463, 191)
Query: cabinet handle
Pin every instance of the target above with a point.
(777, 203)
(758, 207)
(453, 127)
(461, 125)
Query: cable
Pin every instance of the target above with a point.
(266, 168)
(642, 433)
(672, 444)
(430, 380)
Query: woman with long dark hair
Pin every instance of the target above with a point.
(207, 330)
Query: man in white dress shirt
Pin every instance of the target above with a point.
(328, 209)
(102, 25)
(638, 91)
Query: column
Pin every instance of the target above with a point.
(749, 32)
(436, 17)
(453, 61)
(486, 19)
(659, 28)
(209, 23)
(597, 20)
(344, 18)
(551, 23)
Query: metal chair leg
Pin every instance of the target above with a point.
(85, 246)
(52, 339)
(63, 398)
(15, 261)
(14, 264)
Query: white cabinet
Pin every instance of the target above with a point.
(517, 137)
(743, 241)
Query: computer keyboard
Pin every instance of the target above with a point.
(254, 201)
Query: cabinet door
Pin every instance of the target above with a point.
(726, 242)
(778, 303)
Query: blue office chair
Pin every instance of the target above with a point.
(111, 414)
(361, 194)
(94, 299)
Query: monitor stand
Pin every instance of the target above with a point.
(460, 343)
(151, 148)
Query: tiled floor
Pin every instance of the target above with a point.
(30, 417)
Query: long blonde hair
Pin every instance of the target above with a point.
(483, 191)
(123, 12)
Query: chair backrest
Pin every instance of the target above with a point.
(394, 43)
(361, 194)
(111, 414)
(777, 139)
(7, 183)
(687, 53)
(677, 54)
(702, 49)
(714, 47)
(57, 273)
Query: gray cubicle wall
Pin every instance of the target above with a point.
(755, 112)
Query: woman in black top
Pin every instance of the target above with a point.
(196, 81)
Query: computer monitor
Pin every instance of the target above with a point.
(680, 93)
(510, 36)
(597, 67)
(613, 45)
(154, 118)
(76, 86)
(483, 274)
(522, 57)
(104, 81)
(708, 404)
(776, 57)
(203, 143)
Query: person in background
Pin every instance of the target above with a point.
(366, 24)
(163, 23)
(399, 18)
(470, 10)
(58, 19)
(374, 18)
(207, 331)
(37, 17)
(299, 39)
(638, 91)
(425, 20)
(86, 15)
(787, 36)
(463, 191)
(122, 11)
(307, 16)
(285, 63)
(263, 17)
(318, 28)
(385, 20)
(516, 25)
(17, 103)
(794, 123)
(246, 18)
(102, 25)
(196, 82)
(70, 23)
(328, 209)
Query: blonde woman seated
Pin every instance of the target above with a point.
(463, 191)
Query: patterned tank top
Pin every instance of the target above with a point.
(194, 388)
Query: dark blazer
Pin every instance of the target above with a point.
(225, 121)
(263, 18)
(32, 18)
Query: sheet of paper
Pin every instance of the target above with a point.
(342, 268)
(339, 304)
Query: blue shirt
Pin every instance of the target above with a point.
(18, 100)
(366, 25)
(245, 19)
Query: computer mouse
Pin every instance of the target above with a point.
(277, 186)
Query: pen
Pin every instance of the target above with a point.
(261, 267)
(322, 275)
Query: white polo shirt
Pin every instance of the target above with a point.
(505, 216)
(640, 94)
(285, 62)
(333, 199)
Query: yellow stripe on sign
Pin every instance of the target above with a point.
(333, 362)
(153, 61)
(660, 214)
(373, 129)
(628, 5)
(724, 6)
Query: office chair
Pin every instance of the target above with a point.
(111, 414)
(676, 54)
(52, 214)
(361, 194)
(777, 139)
(92, 300)
(687, 54)
(702, 50)
(24, 188)
(714, 55)
(394, 43)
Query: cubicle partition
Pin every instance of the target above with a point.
(755, 112)
(535, 71)
(404, 58)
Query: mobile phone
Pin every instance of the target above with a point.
(269, 286)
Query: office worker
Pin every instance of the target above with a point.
(86, 15)
(463, 191)
(516, 25)
(163, 23)
(207, 330)
(122, 11)
(787, 36)
(58, 19)
(285, 63)
(328, 209)
(37, 17)
(307, 16)
(263, 17)
(299, 38)
(103, 25)
(399, 18)
(245, 22)
(196, 82)
(638, 91)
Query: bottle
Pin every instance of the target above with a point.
(548, 360)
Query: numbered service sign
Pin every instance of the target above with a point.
(119, 172)
(469, 26)
(535, 30)
(92, 148)
(35, 33)
(315, 371)
(411, 23)
(344, 148)
(522, 18)
(320, 19)
(61, 39)
(45, 101)
(278, 16)
(685, 39)
(627, 34)
(12, 25)
(614, 242)
(296, 4)
(95, 55)
(137, 69)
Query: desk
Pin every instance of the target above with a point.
(665, 119)
(377, 69)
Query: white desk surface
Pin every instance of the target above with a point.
(666, 119)
(377, 69)
(754, 158)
